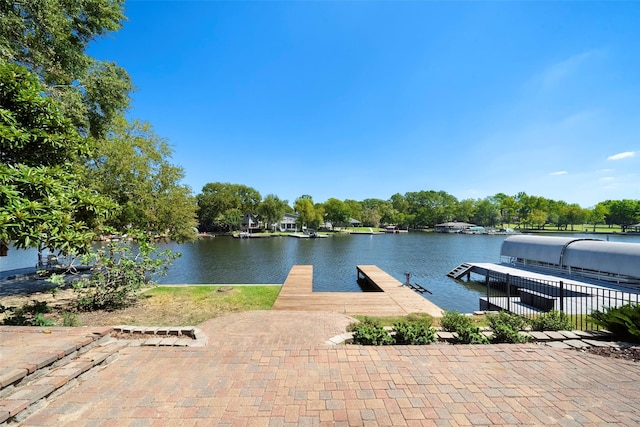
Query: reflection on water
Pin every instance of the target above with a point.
(427, 256)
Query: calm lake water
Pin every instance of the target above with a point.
(428, 256)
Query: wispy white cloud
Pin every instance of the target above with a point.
(623, 155)
(560, 70)
(579, 118)
(559, 173)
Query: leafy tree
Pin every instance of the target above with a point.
(597, 215)
(308, 215)
(377, 211)
(508, 207)
(487, 213)
(50, 38)
(557, 214)
(400, 215)
(623, 212)
(574, 214)
(220, 203)
(272, 209)
(42, 203)
(536, 218)
(465, 210)
(532, 210)
(399, 203)
(336, 211)
(355, 209)
(430, 207)
(133, 168)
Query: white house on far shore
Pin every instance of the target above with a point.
(287, 223)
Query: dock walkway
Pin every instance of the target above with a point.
(394, 300)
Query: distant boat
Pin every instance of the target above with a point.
(309, 234)
(393, 229)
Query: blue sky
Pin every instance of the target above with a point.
(364, 99)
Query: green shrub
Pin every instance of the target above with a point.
(70, 319)
(471, 335)
(452, 321)
(462, 325)
(552, 321)
(119, 272)
(506, 328)
(371, 332)
(40, 320)
(30, 314)
(414, 333)
(623, 322)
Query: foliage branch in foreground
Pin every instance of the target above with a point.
(120, 270)
(42, 203)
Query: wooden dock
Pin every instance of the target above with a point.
(393, 300)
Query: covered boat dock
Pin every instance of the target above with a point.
(576, 276)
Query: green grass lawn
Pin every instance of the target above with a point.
(185, 305)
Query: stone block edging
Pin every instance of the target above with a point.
(161, 336)
(556, 339)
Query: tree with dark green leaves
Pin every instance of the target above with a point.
(336, 211)
(376, 212)
(42, 201)
(430, 207)
(487, 213)
(597, 215)
(309, 215)
(272, 209)
(132, 167)
(507, 206)
(221, 203)
(50, 38)
(465, 211)
(623, 212)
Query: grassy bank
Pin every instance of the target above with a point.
(190, 305)
(160, 306)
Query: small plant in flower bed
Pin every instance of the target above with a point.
(371, 332)
(414, 333)
(506, 328)
(462, 325)
(623, 322)
(452, 321)
(471, 335)
(552, 321)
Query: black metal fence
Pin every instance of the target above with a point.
(531, 298)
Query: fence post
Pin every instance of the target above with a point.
(508, 294)
(561, 296)
(486, 282)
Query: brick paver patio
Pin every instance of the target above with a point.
(273, 368)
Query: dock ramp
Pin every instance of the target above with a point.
(460, 270)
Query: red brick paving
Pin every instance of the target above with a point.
(273, 369)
